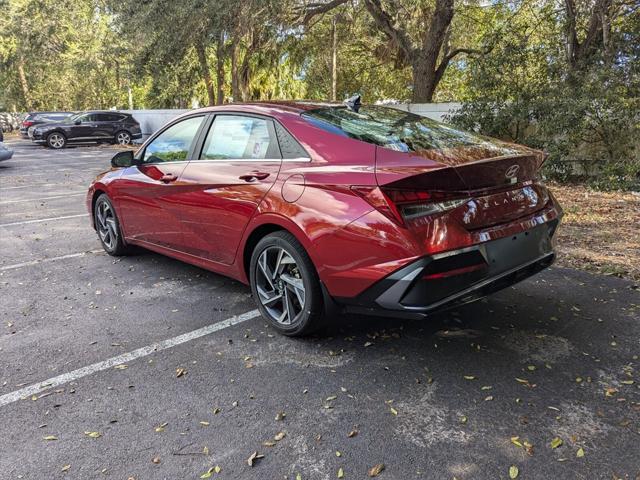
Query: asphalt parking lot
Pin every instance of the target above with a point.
(146, 368)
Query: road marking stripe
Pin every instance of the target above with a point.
(43, 220)
(124, 358)
(31, 185)
(47, 260)
(42, 198)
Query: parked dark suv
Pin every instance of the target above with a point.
(38, 118)
(95, 126)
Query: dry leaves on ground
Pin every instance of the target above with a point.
(599, 231)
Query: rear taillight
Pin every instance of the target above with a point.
(400, 204)
(27, 123)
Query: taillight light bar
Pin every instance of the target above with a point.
(400, 205)
(27, 123)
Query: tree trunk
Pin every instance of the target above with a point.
(424, 81)
(220, 68)
(235, 79)
(23, 83)
(206, 74)
(334, 61)
(245, 76)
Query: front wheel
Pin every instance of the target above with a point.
(108, 227)
(285, 285)
(56, 140)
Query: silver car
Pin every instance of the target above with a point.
(5, 152)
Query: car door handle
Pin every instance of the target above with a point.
(250, 177)
(168, 178)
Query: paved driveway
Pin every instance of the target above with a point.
(147, 368)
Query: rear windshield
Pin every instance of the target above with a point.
(395, 129)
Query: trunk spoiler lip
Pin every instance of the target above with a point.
(412, 168)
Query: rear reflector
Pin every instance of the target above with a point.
(455, 271)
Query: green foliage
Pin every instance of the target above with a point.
(585, 115)
(522, 76)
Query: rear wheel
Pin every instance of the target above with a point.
(123, 138)
(285, 285)
(56, 140)
(108, 227)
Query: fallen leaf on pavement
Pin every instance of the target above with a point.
(340, 473)
(376, 470)
(580, 453)
(50, 437)
(253, 457)
(556, 442)
(93, 434)
(279, 436)
(513, 471)
(352, 433)
(180, 372)
(65, 468)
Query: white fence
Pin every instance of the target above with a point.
(152, 120)
(437, 111)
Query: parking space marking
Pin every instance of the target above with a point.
(125, 357)
(42, 198)
(47, 260)
(32, 185)
(43, 220)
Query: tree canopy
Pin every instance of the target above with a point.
(557, 74)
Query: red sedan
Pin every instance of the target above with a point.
(332, 208)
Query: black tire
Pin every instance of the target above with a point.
(122, 137)
(114, 245)
(56, 140)
(310, 315)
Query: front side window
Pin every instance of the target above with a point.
(83, 117)
(174, 143)
(238, 137)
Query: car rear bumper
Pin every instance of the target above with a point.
(453, 278)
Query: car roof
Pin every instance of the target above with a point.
(278, 108)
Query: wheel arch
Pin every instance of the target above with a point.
(264, 226)
(94, 198)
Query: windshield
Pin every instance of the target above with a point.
(398, 130)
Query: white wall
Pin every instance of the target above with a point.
(152, 120)
(432, 110)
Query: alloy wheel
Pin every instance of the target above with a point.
(279, 285)
(56, 140)
(123, 138)
(106, 223)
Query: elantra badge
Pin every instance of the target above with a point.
(512, 173)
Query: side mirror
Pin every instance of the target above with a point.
(123, 159)
(77, 122)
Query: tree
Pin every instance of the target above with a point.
(420, 34)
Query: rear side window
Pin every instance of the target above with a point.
(395, 129)
(289, 146)
(110, 117)
(239, 137)
(174, 143)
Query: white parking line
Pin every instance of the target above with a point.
(47, 260)
(42, 198)
(32, 185)
(43, 220)
(124, 358)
